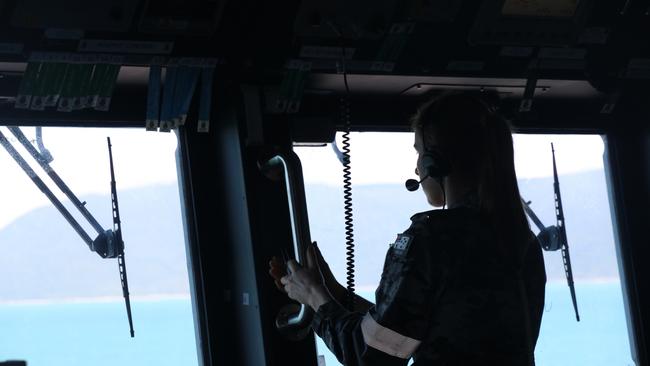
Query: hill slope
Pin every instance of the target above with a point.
(42, 257)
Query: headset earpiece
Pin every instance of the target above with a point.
(435, 165)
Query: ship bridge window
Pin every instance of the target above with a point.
(381, 162)
(60, 303)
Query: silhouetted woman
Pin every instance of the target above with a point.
(463, 285)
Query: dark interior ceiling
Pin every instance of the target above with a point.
(585, 51)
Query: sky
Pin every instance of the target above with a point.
(390, 157)
(140, 157)
(143, 158)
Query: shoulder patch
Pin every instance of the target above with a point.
(401, 244)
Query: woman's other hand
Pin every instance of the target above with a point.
(304, 285)
(336, 290)
(331, 284)
(277, 270)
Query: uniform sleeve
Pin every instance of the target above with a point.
(392, 330)
(342, 332)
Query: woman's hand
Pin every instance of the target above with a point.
(321, 286)
(331, 284)
(277, 270)
(304, 285)
(313, 285)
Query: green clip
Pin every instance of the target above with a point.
(55, 84)
(24, 97)
(288, 86)
(295, 97)
(68, 89)
(393, 46)
(39, 87)
(80, 89)
(98, 77)
(106, 87)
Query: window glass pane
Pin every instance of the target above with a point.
(381, 162)
(60, 303)
(600, 338)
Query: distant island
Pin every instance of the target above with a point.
(382, 211)
(42, 257)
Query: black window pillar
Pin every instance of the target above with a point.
(627, 155)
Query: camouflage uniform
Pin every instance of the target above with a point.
(445, 298)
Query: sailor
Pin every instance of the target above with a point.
(464, 284)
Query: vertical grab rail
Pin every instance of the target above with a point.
(291, 168)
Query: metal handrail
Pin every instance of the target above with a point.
(291, 167)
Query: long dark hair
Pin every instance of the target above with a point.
(477, 140)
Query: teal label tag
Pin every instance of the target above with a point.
(401, 244)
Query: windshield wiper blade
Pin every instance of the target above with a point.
(559, 214)
(117, 230)
(554, 237)
(108, 243)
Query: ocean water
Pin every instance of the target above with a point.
(97, 333)
(599, 339)
(68, 334)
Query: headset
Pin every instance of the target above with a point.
(435, 163)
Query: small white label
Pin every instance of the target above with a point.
(165, 126)
(204, 126)
(245, 299)
(152, 125)
(23, 101)
(38, 103)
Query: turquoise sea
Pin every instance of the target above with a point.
(599, 339)
(96, 333)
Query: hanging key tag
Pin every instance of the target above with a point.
(207, 76)
(153, 95)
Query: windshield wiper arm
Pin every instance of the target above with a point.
(108, 243)
(44, 163)
(43, 187)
